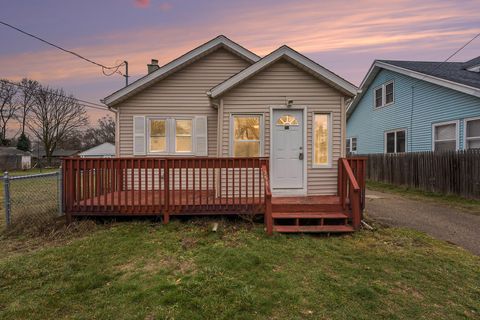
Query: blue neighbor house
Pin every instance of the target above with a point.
(411, 106)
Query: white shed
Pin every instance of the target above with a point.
(104, 150)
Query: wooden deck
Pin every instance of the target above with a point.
(184, 202)
(207, 186)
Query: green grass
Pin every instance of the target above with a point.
(452, 200)
(185, 271)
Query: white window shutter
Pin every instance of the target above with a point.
(139, 135)
(201, 132)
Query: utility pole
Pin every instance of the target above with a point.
(126, 73)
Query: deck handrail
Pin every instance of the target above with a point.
(351, 186)
(268, 200)
(163, 185)
(350, 174)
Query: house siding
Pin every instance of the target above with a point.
(279, 82)
(417, 106)
(180, 94)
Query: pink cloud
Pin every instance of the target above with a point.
(165, 6)
(142, 3)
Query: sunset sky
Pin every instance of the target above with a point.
(344, 36)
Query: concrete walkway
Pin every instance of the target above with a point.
(440, 221)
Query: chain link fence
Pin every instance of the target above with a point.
(32, 200)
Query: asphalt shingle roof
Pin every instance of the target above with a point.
(452, 71)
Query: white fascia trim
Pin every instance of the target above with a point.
(414, 74)
(173, 65)
(284, 51)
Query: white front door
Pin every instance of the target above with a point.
(287, 149)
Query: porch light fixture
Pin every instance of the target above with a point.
(289, 103)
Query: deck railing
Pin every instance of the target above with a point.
(163, 186)
(268, 219)
(351, 187)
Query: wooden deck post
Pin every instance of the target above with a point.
(268, 214)
(166, 192)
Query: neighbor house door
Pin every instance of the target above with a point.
(288, 151)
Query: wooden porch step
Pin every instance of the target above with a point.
(309, 215)
(325, 228)
(306, 204)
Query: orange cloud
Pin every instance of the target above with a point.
(142, 3)
(307, 27)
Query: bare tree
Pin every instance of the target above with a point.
(103, 132)
(8, 107)
(26, 99)
(53, 117)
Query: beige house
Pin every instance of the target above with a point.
(222, 100)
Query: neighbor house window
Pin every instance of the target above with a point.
(170, 135)
(246, 135)
(158, 135)
(383, 95)
(395, 141)
(183, 135)
(321, 140)
(351, 145)
(472, 133)
(445, 136)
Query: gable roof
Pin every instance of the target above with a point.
(12, 151)
(104, 149)
(451, 71)
(453, 75)
(475, 62)
(177, 64)
(294, 57)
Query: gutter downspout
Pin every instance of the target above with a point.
(410, 134)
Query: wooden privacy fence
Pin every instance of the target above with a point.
(448, 172)
(163, 186)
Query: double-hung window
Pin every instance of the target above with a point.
(157, 142)
(395, 141)
(351, 145)
(322, 132)
(445, 136)
(170, 136)
(246, 135)
(183, 135)
(383, 95)
(472, 133)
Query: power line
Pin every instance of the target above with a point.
(84, 103)
(457, 51)
(114, 68)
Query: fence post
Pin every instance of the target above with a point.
(6, 197)
(60, 191)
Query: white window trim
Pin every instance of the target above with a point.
(170, 132)
(350, 149)
(384, 95)
(465, 139)
(232, 126)
(457, 130)
(330, 141)
(395, 141)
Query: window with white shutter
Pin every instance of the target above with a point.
(170, 136)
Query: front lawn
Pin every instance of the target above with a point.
(142, 270)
